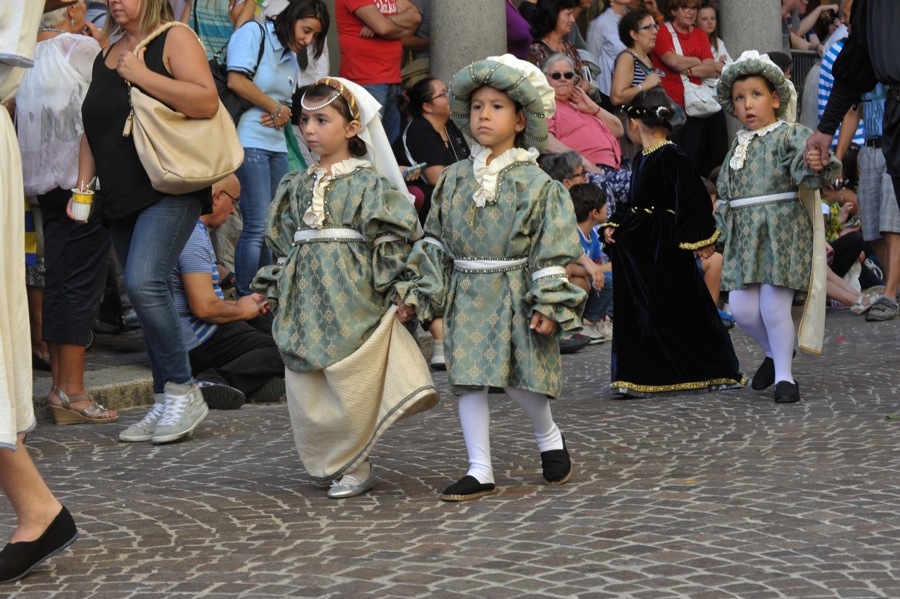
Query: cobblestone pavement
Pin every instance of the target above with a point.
(720, 495)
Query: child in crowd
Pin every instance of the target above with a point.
(340, 233)
(589, 202)
(498, 238)
(711, 267)
(668, 336)
(773, 232)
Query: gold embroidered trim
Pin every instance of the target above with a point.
(679, 387)
(610, 225)
(656, 146)
(700, 244)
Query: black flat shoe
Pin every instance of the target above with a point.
(787, 392)
(18, 559)
(467, 488)
(556, 465)
(765, 375)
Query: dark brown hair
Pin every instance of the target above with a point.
(320, 92)
(302, 9)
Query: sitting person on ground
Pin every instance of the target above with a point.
(589, 202)
(231, 357)
(582, 125)
(711, 266)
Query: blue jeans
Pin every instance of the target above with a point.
(599, 303)
(148, 245)
(387, 95)
(259, 176)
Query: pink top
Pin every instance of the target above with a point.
(586, 134)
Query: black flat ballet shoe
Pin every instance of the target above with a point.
(467, 488)
(787, 392)
(557, 465)
(765, 375)
(40, 363)
(18, 559)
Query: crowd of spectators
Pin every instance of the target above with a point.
(596, 55)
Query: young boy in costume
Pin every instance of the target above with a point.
(498, 239)
(771, 220)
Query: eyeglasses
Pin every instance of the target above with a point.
(646, 27)
(579, 175)
(443, 94)
(234, 200)
(695, 7)
(558, 76)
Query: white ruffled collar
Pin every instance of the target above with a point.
(744, 137)
(486, 174)
(315, 214)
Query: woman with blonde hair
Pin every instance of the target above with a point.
(149, 228)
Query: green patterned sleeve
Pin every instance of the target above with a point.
(795, 142)
(281, 223)
(388, 220)
(429, 265)
(554, 246)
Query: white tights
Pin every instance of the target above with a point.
(764, 313)
(475, 418)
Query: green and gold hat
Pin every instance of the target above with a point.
(521, 80)
(752, 62)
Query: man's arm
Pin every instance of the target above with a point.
(388, 27)
(207, 306)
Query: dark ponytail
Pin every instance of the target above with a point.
(656, 110)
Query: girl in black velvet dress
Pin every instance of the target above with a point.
(668, 336)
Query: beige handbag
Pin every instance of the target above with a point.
(180, 154)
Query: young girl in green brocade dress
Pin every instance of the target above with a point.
(772, 224)
(340, 230)
(499, 236)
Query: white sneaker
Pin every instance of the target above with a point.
(143, 430)
(184, 410)
(606, 328)
(592, 330)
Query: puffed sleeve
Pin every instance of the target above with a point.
(555, 246)
(695, 226)
(281, 223)
(429, 264)
(388, 221)
(795, 141)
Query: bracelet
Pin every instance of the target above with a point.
(640, 86)
(277, 114)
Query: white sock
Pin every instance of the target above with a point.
(537, 408)
(475, 419)
(437, 350)
(746, 311)
(775, 306)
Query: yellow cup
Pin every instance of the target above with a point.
(82, 201)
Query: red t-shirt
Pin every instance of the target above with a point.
(695, 43)
(366, 60)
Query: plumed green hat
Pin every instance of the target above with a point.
(752, 62)
(522, 81)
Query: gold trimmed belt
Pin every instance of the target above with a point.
(770, 198)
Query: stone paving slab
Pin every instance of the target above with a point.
(702, 496)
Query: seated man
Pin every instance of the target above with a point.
(231, 359)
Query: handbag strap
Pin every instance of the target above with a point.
(678, 49)
(129, 122)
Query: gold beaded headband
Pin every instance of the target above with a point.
(339, 90)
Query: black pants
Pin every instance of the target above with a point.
(237, 355)
(75, 257)
(846, 252)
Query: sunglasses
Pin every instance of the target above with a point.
(558, 76)
(646, 27)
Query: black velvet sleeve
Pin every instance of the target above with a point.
(695, 226)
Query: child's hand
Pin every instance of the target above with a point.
(814, 160)
(404, 313)
(706, 251)
(608, 234)
(542, 325)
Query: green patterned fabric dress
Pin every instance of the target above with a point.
(487, 340)
(770, 242)
(333, 294)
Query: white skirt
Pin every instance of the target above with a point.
(16, 408)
